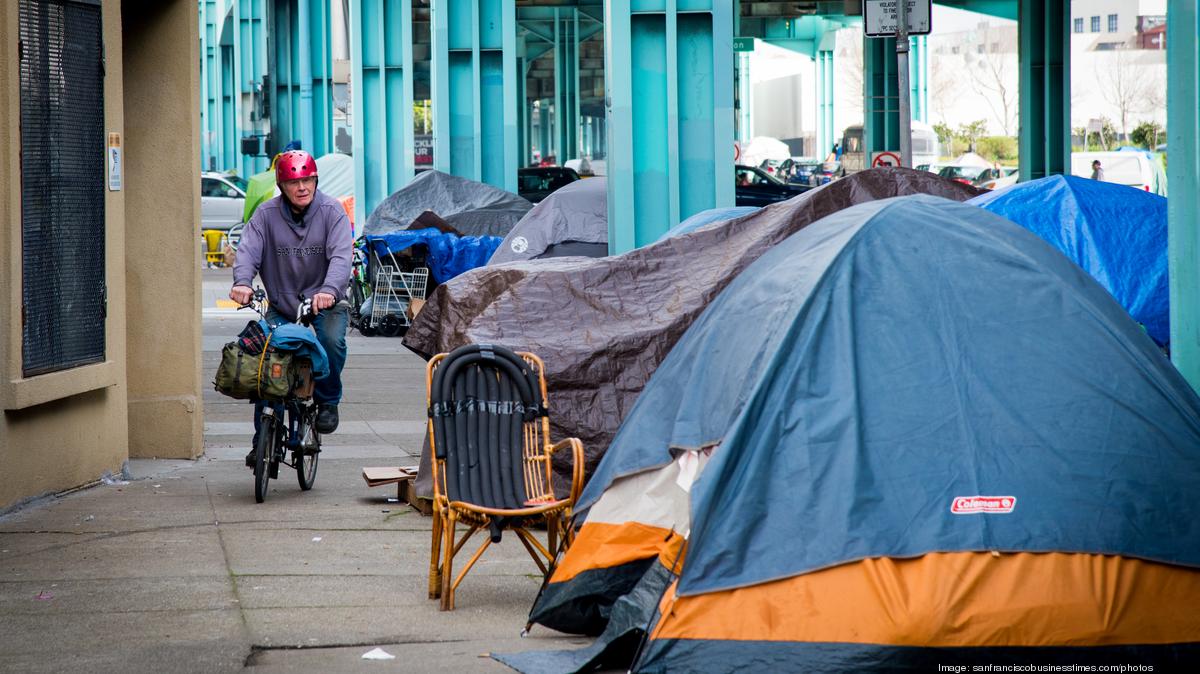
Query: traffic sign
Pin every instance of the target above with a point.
(743, 44)
(879, 17)
(885, 159)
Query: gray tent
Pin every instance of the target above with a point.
(471, 208)
(573, 220)
(603, 325)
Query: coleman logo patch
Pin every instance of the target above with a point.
(970, 505)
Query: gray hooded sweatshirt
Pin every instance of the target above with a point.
(291, 257)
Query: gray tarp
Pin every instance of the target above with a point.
(336, 172)
(603, 325)
(471, 208)
(576, 213)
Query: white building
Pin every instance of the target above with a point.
(1116, 71)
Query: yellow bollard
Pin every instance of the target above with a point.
(214, 251)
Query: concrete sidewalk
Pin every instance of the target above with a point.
(178, 570)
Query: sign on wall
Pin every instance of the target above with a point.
(879, 17)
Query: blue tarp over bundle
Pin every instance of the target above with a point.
(882, 363)
(1115, 233)
(707, 218)
(449, 255)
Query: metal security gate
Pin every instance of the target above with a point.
(62, 185)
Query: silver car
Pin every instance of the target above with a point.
(222, 199)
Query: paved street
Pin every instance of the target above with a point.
(176, 569)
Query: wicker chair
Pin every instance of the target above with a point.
(489, 435)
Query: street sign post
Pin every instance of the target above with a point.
(899, 18)
(881, 17)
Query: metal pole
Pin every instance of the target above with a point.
(902, 83)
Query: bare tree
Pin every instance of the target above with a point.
(943, 87)
(850, 54)
(1126, 87)
(993, 78)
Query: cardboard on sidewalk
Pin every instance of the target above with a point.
(402, 477)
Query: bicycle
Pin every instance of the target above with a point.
(275, 437)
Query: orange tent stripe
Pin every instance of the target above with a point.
(600, 545)
(955, 599)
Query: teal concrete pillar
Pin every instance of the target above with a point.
(382, 83)
(825, 99)
(523, 109)
(1183, 184)
(881, 98)
(669, 85)
(211, 116)
(474, 75)
(250, 66)
(545, 137)
(302, 71)
(566, 83)
(881, 92)
(1045, 87)
(918, 78)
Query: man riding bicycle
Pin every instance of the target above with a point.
(299, 243)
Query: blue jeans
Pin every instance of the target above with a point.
(331, 325)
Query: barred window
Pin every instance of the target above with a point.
(62, 185)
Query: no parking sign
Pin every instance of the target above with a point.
(885, 159)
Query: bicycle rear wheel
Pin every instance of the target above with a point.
(262, 457)
(305, 457)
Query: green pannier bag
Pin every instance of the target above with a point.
(266, 376)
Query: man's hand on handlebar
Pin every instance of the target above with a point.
(241, 294)
(323, 301)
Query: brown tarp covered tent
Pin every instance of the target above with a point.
(603, 325)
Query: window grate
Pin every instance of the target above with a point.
(62, 185)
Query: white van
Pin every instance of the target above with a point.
(1136, 169)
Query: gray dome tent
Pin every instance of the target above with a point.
(573, 220)
(471, 208)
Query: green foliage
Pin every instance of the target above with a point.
(1148, 135)
(1001, 149)
(971, 133)
(966, 137)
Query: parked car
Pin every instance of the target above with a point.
(755, 187)
(222, 198)
(774, 167)
(808, 171)
(1127, 167)
(963, 174)
(536, 183)
(992, 179)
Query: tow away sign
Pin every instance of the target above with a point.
(885, 159)
(879, 17)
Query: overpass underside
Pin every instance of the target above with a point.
(650, 86)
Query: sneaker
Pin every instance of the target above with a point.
(327, 419)
(250, 457)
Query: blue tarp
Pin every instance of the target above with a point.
(706, 218)
(881, 363)
(1115, 233)
(292, 337)
(449, 255)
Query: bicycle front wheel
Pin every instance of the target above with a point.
(305, 457)
(262, 457)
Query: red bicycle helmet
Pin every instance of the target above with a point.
(294, 164)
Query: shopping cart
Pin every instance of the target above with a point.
(392, 296)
